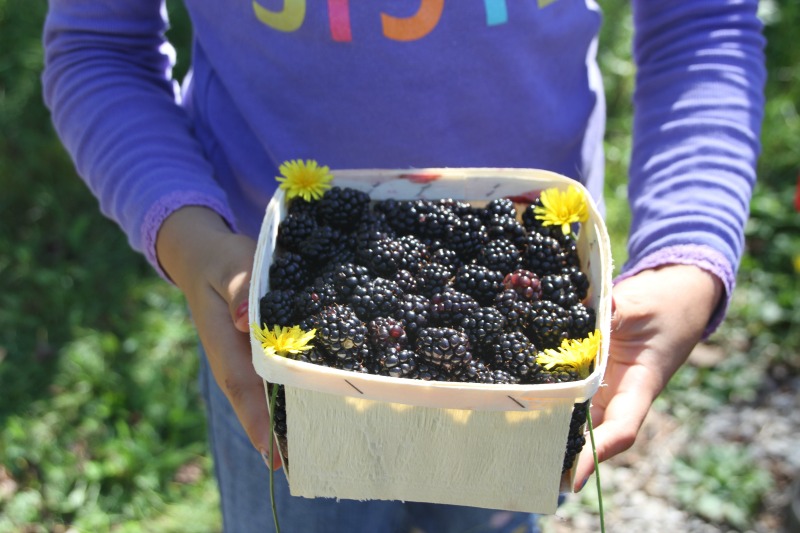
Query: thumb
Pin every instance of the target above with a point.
(241, 313)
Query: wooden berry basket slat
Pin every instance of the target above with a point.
(362, 436)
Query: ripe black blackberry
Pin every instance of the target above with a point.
(555, 375)
(516, 354)
(497, 377)
(433, 278)
(288, 271)
(383, 257)
(414, 311)
(395, 362)
(446, 257)
(342, 207)
(313, 299)
(575, 438)
(479, 282)
(279, 416)
(525, 283)
(500, 207)
(558, 288)
(467, 237)
(444, 347)
(401, 215)
(300, 206)
(378, 297)
(457, 207)
(482, 326)
(317, 356)
(499, 254)
(433, 220)
(549, 324)
(579, 280)
(341, 332)
(416, 253)
(277, 308)
(385, 332)
(543, 255)
(371, 228)
(450, 307)
(348, 276)
(294, 229)
(322, 245)
(429, 372)
(507, 227)
(583, 321)
(516, 310)
(406, 281)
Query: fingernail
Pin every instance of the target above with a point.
(265, 457)
(583, 484)
(241, 310)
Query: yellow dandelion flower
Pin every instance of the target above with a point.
(283, 341)
(574, 354)
(562, 208)
(305, 179)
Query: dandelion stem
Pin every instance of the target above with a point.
(596, 466)
(273, 399)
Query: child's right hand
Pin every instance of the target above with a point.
(212, 266)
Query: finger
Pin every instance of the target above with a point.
(234, 283)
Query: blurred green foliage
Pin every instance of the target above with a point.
(100, 421)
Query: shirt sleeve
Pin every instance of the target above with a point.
(107, 81)
(698, 108)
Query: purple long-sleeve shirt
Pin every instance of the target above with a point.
(397, 84)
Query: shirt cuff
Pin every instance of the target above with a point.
(700, 256)
(168, 205)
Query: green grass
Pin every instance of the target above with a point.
(101, 426)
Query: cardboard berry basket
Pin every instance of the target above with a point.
(369, 437)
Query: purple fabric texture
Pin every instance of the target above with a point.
(384, 86)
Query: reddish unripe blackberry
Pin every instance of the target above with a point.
(558, 289)
(499, 254)
(294, 229)
(433, 278)
(385, 332)
(341, 332)
(516, 354)
(525, 283)
(543, 255)
(342, 207)
(383, 257)
(287, 271)
(504, 227)
(517, 311)
(479, 282)
(450, 307)
(444, 347)
(549, 325)
(277, 308)
(414, 311)
(379, 297)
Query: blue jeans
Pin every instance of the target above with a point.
(245, 495)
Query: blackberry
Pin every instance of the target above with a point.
(543, 255)
(575, 438)
(433, 278)
(313, 299)
(342, 207)
(432, 220)
(499, 254)
(517, 311)
(429, 372)
(383, 257)
(279, 416)
(299, 206)
(416, 253)
(348, 276)
(395, 362)
(317, 356)
(549, 324)
(583, 321)
(525, 283)
(457, 207)
(379, 297)
(467, 237)
(558, 289)
(479, 282)
(570, 249)
(444, 347)
(534, 225)
(385, 332)
(288, 271)
(482, 326)
(504, 227)
(371, 228)
(322, 245)
(446, 257)
(579, 280)
(516, 354)
(341, 332)
(294, 229)
(472, 372)
(414, 311)
(500, 207)
(450, 307)
(406, 281)
(277, 308)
